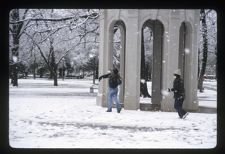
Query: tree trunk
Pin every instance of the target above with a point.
(55, 80)
(34, 73)
(15, 76)
(143, 68)
(53, 65)
(15, 40)
(205, 51)
(93, 76)
(55, 74)
(198, 62)
(143, 86)
(41, 72)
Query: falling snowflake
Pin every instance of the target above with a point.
(187, 51)
(164, 61)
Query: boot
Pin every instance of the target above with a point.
(109, 110)
(185, 115)
(118, 110)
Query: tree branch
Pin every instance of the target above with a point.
(93, 15)
(41, 52)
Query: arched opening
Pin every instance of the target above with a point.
(151, 63)
(117, 52)
(185, 49)
(146, 64)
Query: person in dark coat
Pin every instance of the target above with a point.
(144, 89)
(114, 82)
(179, 94)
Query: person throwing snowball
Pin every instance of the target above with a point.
(179, 94)
(114, 82)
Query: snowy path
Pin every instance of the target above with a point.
(44, 116)
(209, 97)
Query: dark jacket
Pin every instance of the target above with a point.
(178, 88)
(114, 79)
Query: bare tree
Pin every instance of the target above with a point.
(205, 49)
(55, 37)
(16, 30)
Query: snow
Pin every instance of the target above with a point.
(44, 116)
(209, 97)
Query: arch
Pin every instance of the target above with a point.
(184, 56)
(121, 26)
(154, 17)
(166, 33)
(185, 45)
(158, 31)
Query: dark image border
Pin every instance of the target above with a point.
(217, 5)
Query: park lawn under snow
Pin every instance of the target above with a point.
(44, 116)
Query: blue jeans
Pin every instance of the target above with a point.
(178, 106)
(112, 96)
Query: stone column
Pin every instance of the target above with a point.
(157, 64)
(191, 64)
(165, 103)
(101, 98)
(195, 43)
(132, 70)
(122, 62)
(170, 61)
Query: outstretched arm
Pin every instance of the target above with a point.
(104, 76)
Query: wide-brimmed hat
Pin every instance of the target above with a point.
(177, 72)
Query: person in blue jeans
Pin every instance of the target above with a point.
(114, 82)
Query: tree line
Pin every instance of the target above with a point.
(58, 40)
(50, 38)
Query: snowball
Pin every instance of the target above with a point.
(142, 80)
(100, 95)
(164, 92)
(187, 51)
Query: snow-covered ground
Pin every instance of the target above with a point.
(209, 97)
(66, 116)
